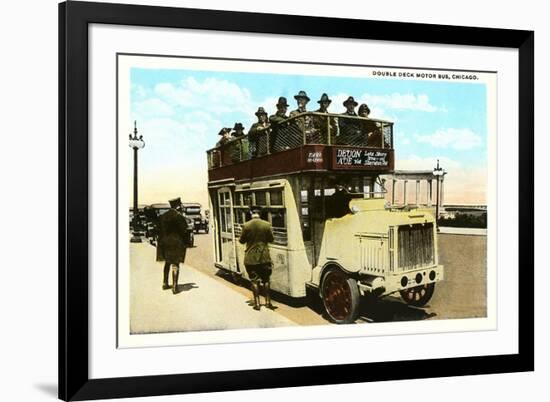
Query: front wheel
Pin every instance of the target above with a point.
(419, 295)
(340, 297)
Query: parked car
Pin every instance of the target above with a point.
(193, 211)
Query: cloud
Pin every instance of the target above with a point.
(139, 91)
(211, 94)
(153, 107)
(456, 138)
(399, 101)
(379, 104)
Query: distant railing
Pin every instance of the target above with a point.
(305, 128)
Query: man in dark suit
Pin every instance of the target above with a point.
(302, 100)
(350, 132)
(257, 234)
(172, 247)
(321, 124)
(280, 115)
(277, 142)
(257, 130)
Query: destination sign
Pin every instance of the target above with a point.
(357, 158)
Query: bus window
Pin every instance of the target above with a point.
(278, 219)
(239, 216)
(260, 198)
(247, 199)
(223, 224)
(238, 199)
(276, 197)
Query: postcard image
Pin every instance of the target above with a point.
(274, 200)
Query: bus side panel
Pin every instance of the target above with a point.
(214, 232)
(279, 276)
(279, 280)
(299, 274)
(298, 264)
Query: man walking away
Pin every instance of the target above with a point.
(256, 234)
(172, 246)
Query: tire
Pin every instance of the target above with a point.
(340, 296)
(419, 295)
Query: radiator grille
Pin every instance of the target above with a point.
(373, 253)
(415, 245)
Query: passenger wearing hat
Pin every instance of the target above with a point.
(275, 119)
(319, 133)
(349, 130)
(280, 115)
(350, 106)
(261, 127)
(370, 129)
(302, 125)
(324, 103)
(257, 234)
(172, 246)
(238, 130)
(233, 149)
(225, 132)
(302, 100)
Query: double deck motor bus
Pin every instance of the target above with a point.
(317, 179)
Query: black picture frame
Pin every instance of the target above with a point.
(74, 18)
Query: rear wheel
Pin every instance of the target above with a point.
(340, 297)
(419, 295)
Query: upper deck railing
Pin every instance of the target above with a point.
(305, 128)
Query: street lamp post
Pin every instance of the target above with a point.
(438, 172)
(136, 143)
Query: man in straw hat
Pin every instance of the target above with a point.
(261, 127)
(257, 234)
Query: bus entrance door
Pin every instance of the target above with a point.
(228, 251)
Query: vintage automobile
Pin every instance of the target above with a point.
(317, 179)
(152, 214)
(193, 211)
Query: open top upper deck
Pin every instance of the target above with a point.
(309, 141)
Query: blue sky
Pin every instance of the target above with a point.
(180, 113)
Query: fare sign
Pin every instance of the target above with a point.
(357, 158)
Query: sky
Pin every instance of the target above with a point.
(180, 112)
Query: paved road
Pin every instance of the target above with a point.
(202, 302)
(209, 299)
